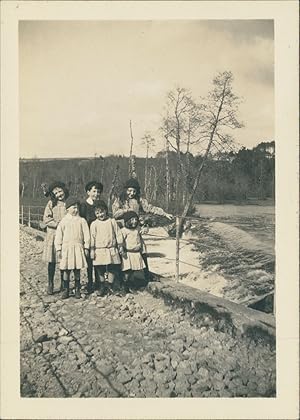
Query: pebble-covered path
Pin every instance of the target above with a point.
(132, 346)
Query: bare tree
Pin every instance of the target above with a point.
(113, 187)
(148, 142)
(132, 166)
(219, 113)
(153, 175)
(102, 168)
(179, 128)
(168, 186)
(21, 189)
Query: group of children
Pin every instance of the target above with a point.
(83, 235)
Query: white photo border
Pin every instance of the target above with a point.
(286, 404)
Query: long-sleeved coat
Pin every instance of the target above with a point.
(106, 237)
(52, 216)
(134, 248)
(72, 237)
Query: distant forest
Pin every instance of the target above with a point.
(232, 176)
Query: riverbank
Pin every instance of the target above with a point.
(130, 346)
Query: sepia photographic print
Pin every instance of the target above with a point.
(149, 194)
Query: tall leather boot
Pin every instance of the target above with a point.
(77, 289)
(61, 281)
(51, 272)
(108, 288)
(50, 286)
(102, 289)
(97, 280)
(66, 290)
(89, 275)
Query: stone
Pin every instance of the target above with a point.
(207, 352)
(139, 377)
(133, 387)
(124, 377)
(184, 367)
(148, 358)
(84, 388)
(163, 392)
(25, 345)
(177, 345)
(42, 338)
(147, 372)
(61, 348)
(38, 349)
(161, 356)
(174, 363)
(203, 373)
(181, 385)
(81, 357)
(185, 355)
(218, 385)
(64, 339)
(189, 340)
(193, 365)
(105, 368)
(192, 379)
(201, 386)
(63, 332)
(161, 365)
(149, 387)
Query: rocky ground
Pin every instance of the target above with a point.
(131, 346)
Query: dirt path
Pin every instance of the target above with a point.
(131, 346)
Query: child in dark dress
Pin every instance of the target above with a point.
(87, 211)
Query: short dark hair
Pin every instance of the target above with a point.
(95, 184)
(99, 204)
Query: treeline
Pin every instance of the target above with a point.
(234, 176)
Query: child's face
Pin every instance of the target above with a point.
(101, 214)
(94, 193)
(131, 192)
(59, 193)
(133, 222)
(73, 210)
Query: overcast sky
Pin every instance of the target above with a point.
(81, 82)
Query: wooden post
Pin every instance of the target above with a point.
(22, 214)
(177, 249)
(29, 218)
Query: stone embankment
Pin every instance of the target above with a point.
(135, 345)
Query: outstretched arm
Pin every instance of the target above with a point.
(149, 208)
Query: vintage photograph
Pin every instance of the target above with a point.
(147, 209)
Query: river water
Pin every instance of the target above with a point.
(238, 242)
